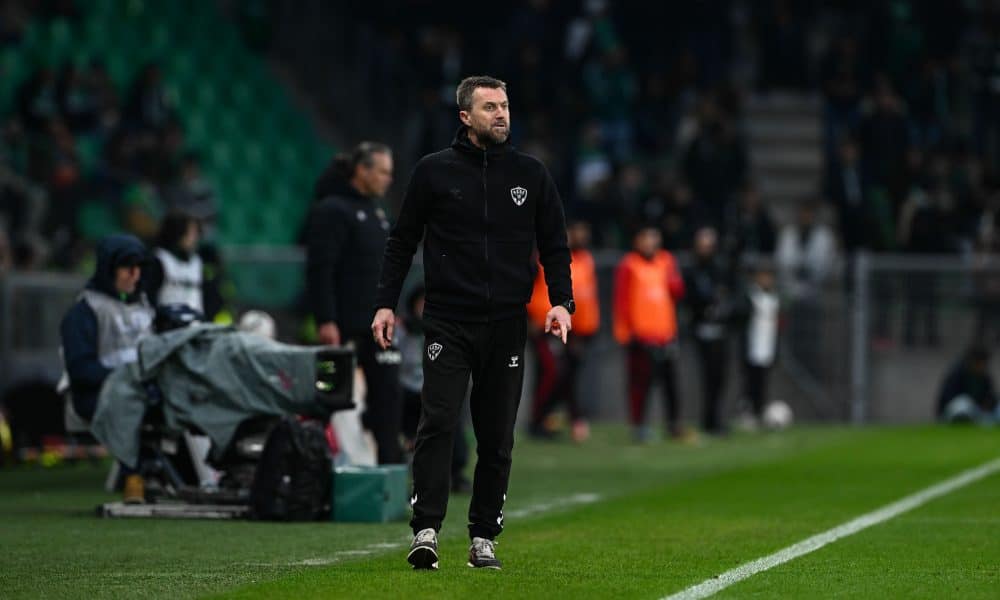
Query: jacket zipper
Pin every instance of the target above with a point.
(486, 231)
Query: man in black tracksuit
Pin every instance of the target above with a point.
(345, 238)
(480, 207)
(713, 307)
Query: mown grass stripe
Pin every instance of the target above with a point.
(718, 583)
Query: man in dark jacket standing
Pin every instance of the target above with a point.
(345, 239)
(481, 207)
(713, 305)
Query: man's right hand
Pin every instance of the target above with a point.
(382, 327)
(329, 334)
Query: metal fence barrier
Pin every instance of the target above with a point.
(872, 347)
(31, 307)
(913, 318)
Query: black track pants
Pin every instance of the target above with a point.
(493, 355)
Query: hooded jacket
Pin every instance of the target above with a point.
(480, 214)
(345, 238)
(81, 327)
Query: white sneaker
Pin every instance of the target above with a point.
(482, 554)
(424, 550)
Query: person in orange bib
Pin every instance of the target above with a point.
(648, 286)
(557, 365)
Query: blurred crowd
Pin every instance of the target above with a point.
(81, 157)
(638, 109)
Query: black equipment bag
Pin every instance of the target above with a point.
(294, 479)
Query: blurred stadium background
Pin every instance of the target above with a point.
(883, 117)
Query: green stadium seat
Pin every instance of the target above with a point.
(205, 96)
(231, 123)
(242, 95)
(120, 69)
(96, 219)
(254, 143)
(195, 127)
(221, 155)
(33, 37)
(89, 150)
(58, 44)
(288, 155)
(179, 66)
(253, 156)
(13, 72)
(233, 224)
(105, 9)
(159, 40)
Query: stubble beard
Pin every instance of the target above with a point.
(492, 137)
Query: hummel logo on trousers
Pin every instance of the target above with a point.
(488, 353)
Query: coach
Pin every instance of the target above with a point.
(345, 239)
(480, 207)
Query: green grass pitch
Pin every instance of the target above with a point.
(642, 522)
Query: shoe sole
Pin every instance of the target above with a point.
(423, 558)
(494, 567)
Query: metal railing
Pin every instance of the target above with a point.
(913, 317)
(32, 306)
(872, 347)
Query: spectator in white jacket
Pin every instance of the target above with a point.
(806, 253)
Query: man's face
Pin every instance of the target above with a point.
(489, 118)
(377, 178)
(705, 241)
(578, 235)
(127, 278)
(765, 279)
(807, 217)
(848, 153)
(189, 242)
(648, 241)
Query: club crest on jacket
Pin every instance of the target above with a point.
(519, 195)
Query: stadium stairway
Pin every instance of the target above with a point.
(784, 132)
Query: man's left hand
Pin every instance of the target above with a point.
(558, 322)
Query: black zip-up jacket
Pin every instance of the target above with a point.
(709, 293)
(345, 238)
(480, 214)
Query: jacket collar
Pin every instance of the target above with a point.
(339, 186)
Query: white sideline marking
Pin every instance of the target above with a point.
(532, 509)
(544, 507)
(342, 554)
(746, 570)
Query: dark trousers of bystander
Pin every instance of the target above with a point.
(383, 414)
(713, 358)
(645, 364)
(755, 386)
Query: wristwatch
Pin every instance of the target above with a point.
(569, 305)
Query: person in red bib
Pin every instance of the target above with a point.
(648, 286)
(556, 366)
